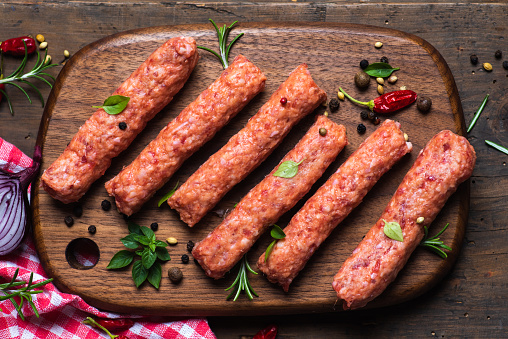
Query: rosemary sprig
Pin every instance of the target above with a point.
(496, 146)
(37, 72)
(242, 281)
(222, 34)
(23, 293)
(477, 114)
(434, 244)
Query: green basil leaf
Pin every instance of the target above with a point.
(130, 241)
(139, 252)
(393, 231)
(115, 104)
(139, 273)
(152, 247)
(167, 195)
(380, 70)
(287, 169)
(142, 239)
(277, 232)
(159, 243)
(121, 259)
(134, 228)
(148, 233)
(162, 254)
(148, 257)
(155, 275)
(269, 249)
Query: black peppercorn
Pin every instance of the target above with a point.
(190, 245)
(106, 205)
(423, 104)
(361, 128)
(334, 105)
(122, 125)
(372, 115)
(69, 220)
(473, 58)
(364, 64)
(498, 54)
(92, 229)
(154, 226)
(364, 115)
(376, 121)
(185, 259)
(384, 59)
(505, 64)
(175, 274)
(77, 211)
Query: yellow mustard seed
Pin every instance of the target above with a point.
(487, 66)
(340, 95)
(39, 38)
(406, 137)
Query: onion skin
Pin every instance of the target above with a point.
(14, 211)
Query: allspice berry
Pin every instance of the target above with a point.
(362, 79)
(175, 275)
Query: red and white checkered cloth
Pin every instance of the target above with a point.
(62, 314)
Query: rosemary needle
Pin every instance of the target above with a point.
(496, 146)
(242, 282)
(477, 114)
(434, 244)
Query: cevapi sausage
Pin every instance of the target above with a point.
(333, 201)
(184, 135)
(271, 198)
(249, 147)
(151, 87)
(446, 161)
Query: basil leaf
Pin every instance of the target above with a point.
(167, 195)
(148, 233)
(159, 243)
(277, 232)
(130, 241)
(287, 169)
(155, 275)
(134, 228)
(115, 104)
(121, 259)
(380, 70)
(162, 254)
(139, 252)
(148, 257)
(393, 231)
(142, 239)
(139, 273)
(269, 249)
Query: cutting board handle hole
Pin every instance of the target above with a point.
(82, 253)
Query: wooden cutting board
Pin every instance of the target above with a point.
(333, 53)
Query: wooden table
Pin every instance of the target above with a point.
(471, 301)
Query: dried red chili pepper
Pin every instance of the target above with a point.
(389, 102)
(115, 325)
(269, 332)
(15, 46)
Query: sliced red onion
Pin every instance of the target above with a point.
(14, 204)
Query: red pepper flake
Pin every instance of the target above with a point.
(283, 100)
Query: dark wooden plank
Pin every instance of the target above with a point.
(96, 71)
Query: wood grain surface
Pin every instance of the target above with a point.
(333, 53)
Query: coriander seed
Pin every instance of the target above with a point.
(172, 241)
(380, 89)
(39, 38)
(487, 66)
(340, 95)
(392, 79)
(380, 81)
(378, 44)
(420, 220)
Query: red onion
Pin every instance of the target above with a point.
(14, 204)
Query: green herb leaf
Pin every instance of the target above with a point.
(121, 259)
(287, 169)
(139, 273)
(142, 239)
(242, 281)
(380, 70)
(167, 195)
(393, 231)
(222, 34)
(434, 244)
(134, 228)
(155, 275)
(159, 243)
(130, 241)
(496, 146)
(148, 233)
(148, 257)
(139, 252)
(162, 254)
(269, 249)
(277, 232)
(477, 114)
(115, 104)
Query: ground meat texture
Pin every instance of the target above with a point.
(332, 202)
(151, 87)
(446, 161)
(184, 135)
(270, 199)
(249, 147)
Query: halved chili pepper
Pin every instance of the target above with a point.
(389, 102)
(269, 332)
(15, 46)
(115, 325)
